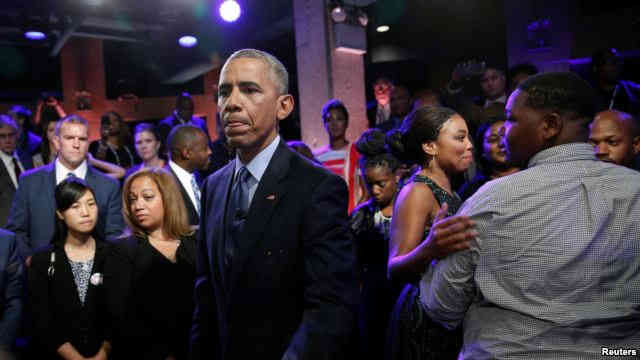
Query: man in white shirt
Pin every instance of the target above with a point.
(10, 166)
(32, 215)
(189, 152)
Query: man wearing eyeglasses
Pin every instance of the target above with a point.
(10, 166)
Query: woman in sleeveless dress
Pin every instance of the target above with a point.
(437, 139)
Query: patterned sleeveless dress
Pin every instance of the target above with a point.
(412, 334)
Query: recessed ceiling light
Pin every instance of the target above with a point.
(188, 41)
(35, 35)
(383, 28)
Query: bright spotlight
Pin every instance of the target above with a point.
(188, 41)
(383, 28)
(35, 35)
(230, 11)
(339, 14)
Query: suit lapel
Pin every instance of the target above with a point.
(270, 191)
(216, 205)
(48, 190)
(4, 175)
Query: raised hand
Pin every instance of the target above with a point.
(449, 235)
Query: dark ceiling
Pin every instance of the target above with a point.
(145, 21)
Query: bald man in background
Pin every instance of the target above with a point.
(615, 136)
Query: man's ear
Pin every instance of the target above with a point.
(636, 145)
(56, 142)
(552, 124)
(59, 215)
(285, 106)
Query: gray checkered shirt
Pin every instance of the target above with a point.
(555, 270)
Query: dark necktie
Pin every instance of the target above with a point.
(16, 168)
(236, 213)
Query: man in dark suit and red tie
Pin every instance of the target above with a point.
(275, 259)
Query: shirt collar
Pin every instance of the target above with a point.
(8, 157)
(562, 153)
(62, 171)
(258, 165)
(501, 99)
(180, 172)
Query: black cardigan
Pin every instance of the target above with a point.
(58, 315)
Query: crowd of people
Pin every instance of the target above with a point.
(454, 227)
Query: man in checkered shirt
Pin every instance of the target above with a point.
(554, 271)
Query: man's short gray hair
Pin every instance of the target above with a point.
(72, 119)
(279, 73)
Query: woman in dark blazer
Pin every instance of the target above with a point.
(150, 275)
(65, 292)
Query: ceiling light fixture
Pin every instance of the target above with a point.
(230, 10)
(383, 28)
(188, 41)
(35, 35)
(339, 14)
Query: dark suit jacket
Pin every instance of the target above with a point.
(58, 315)
(11, 289)
(191, 209)
(167, 124)
(292, 290)
(32, 215)
(7, 191)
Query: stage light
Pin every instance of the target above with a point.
(339, 14)
(35, 35)
(230, 11)
(383, 28)
(363, 19)
(188, 41)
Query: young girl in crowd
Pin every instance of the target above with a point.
(437, 139)
(370, 223)
(150, 275)
(65, 282)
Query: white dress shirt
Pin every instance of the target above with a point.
(62, 171)
(257, 166)
(185, 179)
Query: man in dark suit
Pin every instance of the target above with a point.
(32, 215)
(28, 142)
(11, 291)
(188, 153)
(183, 114)
(275, 260)
(10, 165)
